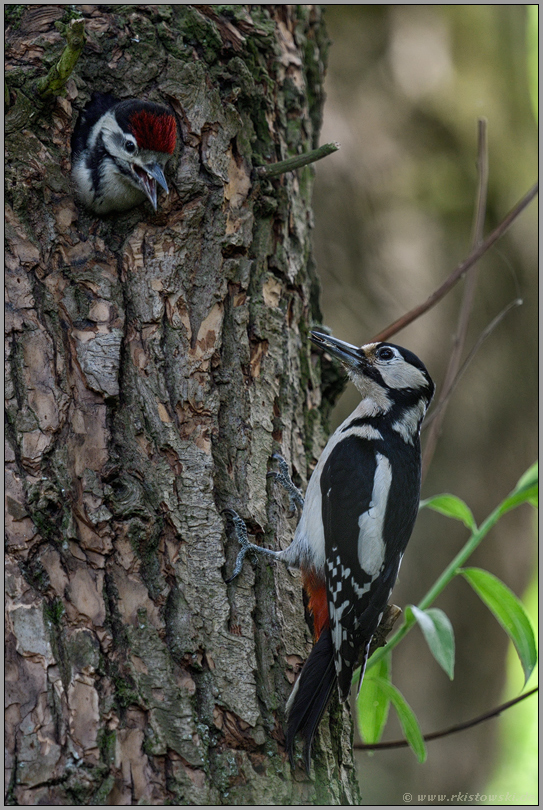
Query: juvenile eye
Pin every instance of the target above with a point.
(130, 147)
(385, 353)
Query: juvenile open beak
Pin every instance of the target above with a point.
(148, 177)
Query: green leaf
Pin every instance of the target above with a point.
(530, 477)
(452, 507)
(529, 495)
(406, 716)
(509, 612)
(439, 635)
(526, 490)
(372, 704)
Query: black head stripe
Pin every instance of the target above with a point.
(99, 104)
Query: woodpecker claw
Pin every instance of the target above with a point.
(296, 499)
(238, 566)
(240, 530)
(240, 527)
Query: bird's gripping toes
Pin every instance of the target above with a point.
(119, 151)
(357, 517)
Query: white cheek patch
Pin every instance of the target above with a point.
(107, 125)
(371, 546)
(399, 374)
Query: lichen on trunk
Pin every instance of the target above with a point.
(154, 365)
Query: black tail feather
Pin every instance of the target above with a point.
(313, 691)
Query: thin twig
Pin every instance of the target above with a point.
(460, 271)
(296, 162)
(467, 300)
(445, 732)
(487, 331)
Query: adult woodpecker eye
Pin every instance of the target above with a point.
(130, 147)
(385, 353)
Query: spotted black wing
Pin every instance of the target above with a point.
(363, 548)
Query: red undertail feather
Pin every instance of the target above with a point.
(315, 588)
(155, 132)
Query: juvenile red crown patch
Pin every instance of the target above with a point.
(155, 131)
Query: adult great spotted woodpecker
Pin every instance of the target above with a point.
(119, 151)
(360, 507)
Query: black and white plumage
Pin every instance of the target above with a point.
(360, 507)
(369, 490)
(119, 151)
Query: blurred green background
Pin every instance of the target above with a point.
(393, 217)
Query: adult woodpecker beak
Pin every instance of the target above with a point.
(351, 356)
(148, 176)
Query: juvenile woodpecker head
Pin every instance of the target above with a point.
(119, 151)
(384, 373)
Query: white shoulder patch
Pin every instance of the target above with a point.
(371, 546)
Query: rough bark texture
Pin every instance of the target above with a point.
(154, 364)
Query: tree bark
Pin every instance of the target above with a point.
(154, 365)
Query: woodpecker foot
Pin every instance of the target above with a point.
(240, 531)
(296, 499)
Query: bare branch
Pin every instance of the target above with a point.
(296, 162)
(467, 300)
(487, 331)
(460, 271)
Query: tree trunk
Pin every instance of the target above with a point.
(154, 365)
